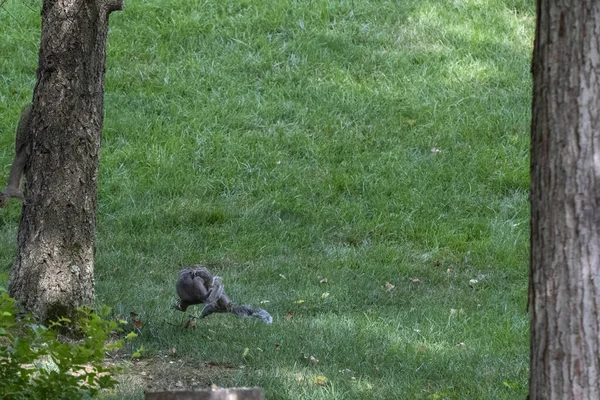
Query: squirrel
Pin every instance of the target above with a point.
(196, 285)
(22, 152)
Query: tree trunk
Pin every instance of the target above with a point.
(209, 394)
(564, 283)
(54, 270)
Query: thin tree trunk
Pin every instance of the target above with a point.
(564, 292)
(54, 270)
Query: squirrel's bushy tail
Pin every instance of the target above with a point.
(247, 311)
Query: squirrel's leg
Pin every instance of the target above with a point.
(182, 306)
(225, 303)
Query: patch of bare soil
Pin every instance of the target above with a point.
(168, 373)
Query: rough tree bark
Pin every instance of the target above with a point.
(564, 292)
(54, 269)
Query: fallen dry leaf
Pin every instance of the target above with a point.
(438, 263)
(289, 315)
(389, 287)
(324, 280)
(134, 319)
(190, 323)
(415, 281)
(277, 346)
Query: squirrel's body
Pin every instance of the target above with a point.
(22, 152)
(196, 285)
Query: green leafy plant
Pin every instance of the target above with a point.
(35, 364)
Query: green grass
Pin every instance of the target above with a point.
(282, 142)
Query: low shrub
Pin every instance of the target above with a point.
(37, 363)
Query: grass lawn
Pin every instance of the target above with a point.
(381, 145)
